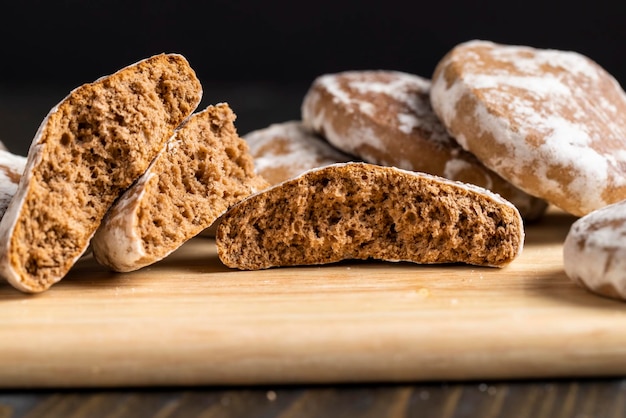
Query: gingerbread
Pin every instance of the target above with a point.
(204, 169)
(89, 148)
(549, 121)
(594, 252)
(361, 211)
(385, 117)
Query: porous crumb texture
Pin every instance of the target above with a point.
(210, 170)
(91, 147)
(362, 211)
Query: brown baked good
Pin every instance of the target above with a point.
(11, 169)
(204, 169)
(594, 252)
(90, 147)
(361, 211)
(284, 150)
(551, 122)
(385, 117)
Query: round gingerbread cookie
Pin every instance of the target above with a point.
(284, 150)
(594, 252)
(551, 122)
(385, 117)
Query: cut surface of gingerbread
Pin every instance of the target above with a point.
(385, 117)
(362, 211)
(204, 169)
(551, 122)
(90, 147)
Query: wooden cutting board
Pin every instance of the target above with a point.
(188, 320)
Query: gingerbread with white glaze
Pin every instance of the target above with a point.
(11, 170)
(284, 150)
(385, 117)
(549, 121)
(594, 252)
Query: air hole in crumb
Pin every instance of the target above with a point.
(201, 155)
(31, 266)
(392, 234)
(65, 139)
(333, 220)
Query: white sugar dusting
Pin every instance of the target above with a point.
(595, 249)
(545, 118)
(406, 93)
(11, 169)
(536, 85)
(613, 234)
(331, 83)
(407, 122)
(300, 149)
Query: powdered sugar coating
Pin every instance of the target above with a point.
(594, 252)
(362, 91)
(122, 241)
(540, 111)
(11, 170)
(385, 118)
(284, 150)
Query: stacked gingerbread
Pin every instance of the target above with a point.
(382, 164)
(124, 166)
(535, 126)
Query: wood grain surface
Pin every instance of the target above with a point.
(190, 321)
(534, 399)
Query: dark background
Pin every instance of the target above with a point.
(261, 56)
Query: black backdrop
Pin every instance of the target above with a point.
(72, 41)
(230, 44)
